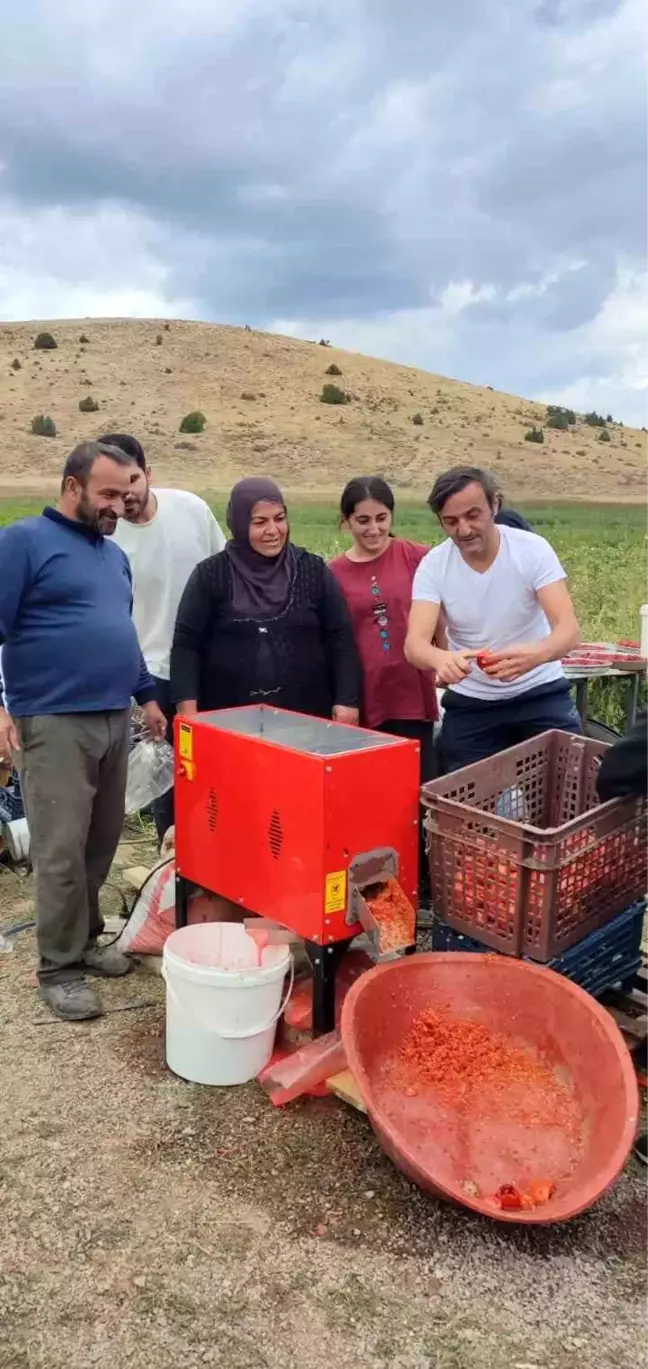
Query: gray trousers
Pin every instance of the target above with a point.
(73, 769)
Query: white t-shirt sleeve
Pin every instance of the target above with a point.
(544, 566)
(426, 587)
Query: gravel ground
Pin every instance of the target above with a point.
(147, 1222)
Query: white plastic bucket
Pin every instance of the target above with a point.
(222, 1006)
(16, 835)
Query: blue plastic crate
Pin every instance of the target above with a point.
(606, 957)
(11, 803)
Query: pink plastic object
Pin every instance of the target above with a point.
(268, 933)
(298, 1073)
(299, 1012)
(221, 945)
(533, 1007)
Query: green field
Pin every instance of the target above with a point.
(602, 546)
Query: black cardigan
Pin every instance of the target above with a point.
(624, 768)
(303, 659)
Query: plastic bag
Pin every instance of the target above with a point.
(512, 804)
(153, 918)
(150, 774)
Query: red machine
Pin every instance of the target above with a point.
(292, 817)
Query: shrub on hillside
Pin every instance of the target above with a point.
(562, 419)
(332, 394)
(569, 414)
(333, 370)
(534, 435)
(193, 422)
(594, 420)
(15, 365)
(84, 340)
(417, 420)
(604, 435)
(45, 343)
(247, 394)
(158, 340)
(88, 405)
(43, 426)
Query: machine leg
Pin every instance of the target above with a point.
(633, 700)
(182, 891)
(325, 961)
(582, 691)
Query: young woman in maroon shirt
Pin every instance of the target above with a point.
(375, 576)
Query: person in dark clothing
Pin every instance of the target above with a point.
(624, 775)
(264, 621)
(509, 518)
(624, 768)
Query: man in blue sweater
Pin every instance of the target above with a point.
(71, 663)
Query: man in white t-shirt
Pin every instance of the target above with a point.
(165, 534)
(509, 622)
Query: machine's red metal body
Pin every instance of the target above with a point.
(273, 808)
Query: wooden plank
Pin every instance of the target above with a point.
(344, 1086)
(634, 1027)
(135, 876)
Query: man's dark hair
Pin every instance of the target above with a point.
(80, 461)
(126, 443)
(510, 518)
(456, 480)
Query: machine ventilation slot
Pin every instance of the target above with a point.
(275, 835)
(212, 810)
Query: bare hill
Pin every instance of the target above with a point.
(261, 393)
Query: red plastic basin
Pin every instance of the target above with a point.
(531, 1006)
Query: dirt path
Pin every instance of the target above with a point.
(146, 1222)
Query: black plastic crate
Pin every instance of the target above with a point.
(609, 956)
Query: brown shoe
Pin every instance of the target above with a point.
(106, 962)
(72, 1001)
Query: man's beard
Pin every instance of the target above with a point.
(136, 505)
(98, 520)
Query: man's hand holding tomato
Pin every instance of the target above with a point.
(513, 661)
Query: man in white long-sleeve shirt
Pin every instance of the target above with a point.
(165, 534)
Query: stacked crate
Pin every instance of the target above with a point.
(525, 861)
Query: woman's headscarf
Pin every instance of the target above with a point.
(261, 583)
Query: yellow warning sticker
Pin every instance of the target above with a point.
(335, 892)
(185, 742)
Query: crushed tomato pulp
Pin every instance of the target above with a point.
(393, 914)
(477, 1074)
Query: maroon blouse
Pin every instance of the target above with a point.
(379, 596)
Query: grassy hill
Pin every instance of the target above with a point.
(261, 393)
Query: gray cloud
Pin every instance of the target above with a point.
(289, 160)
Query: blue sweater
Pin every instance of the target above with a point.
(68, 640)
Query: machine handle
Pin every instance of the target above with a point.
(251, 1031)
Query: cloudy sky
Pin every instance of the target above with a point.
(456, 185)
